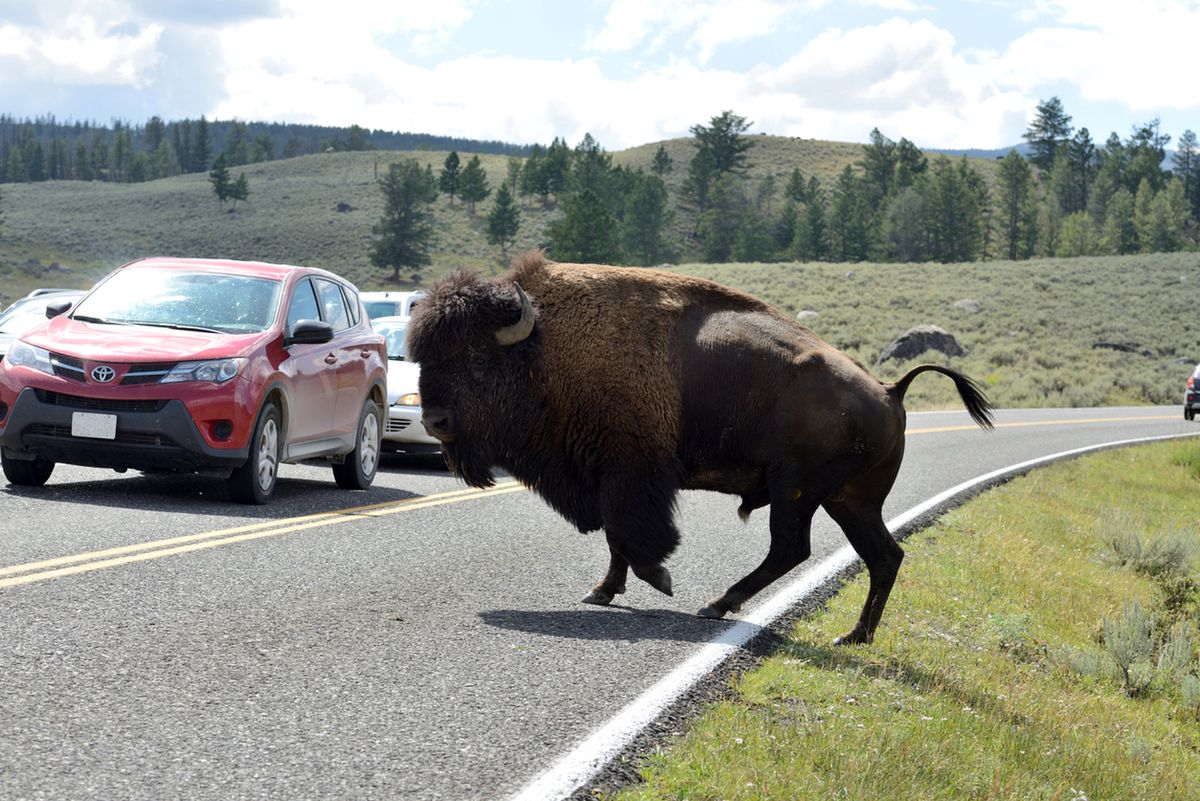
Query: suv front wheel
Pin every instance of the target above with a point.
(27, 472)
(254, 481)
(358, 469)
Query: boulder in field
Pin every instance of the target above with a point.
(916, 341)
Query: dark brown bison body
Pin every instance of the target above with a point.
(607, 390)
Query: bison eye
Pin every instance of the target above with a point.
(479, 361)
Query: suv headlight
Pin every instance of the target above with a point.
(21, 354)
(411, 399)
(216, 371)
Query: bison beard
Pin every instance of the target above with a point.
(607, 390)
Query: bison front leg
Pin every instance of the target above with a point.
(638, 514)
(613, 583)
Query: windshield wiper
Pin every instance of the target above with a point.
(83, 318)
(176, 326)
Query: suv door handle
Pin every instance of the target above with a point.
(331, 358)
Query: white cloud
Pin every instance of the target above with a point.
(907, 78)
(79, 49)
(1139, 55)
(708, 25)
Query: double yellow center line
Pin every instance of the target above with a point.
(30, 572)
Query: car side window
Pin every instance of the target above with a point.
(303, 305)
(353, 305)
(333, 305)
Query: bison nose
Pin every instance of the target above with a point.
(439, 423)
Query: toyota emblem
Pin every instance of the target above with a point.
(103, 374)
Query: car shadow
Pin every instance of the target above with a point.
(619, 623)
(203, 495)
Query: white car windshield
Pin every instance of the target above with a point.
(393, 334)
(21, 319)
(202, 301)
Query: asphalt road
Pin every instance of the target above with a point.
(416, 641)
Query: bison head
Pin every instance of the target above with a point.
(477, 342)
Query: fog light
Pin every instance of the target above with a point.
(222, 429)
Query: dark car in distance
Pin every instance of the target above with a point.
(1191, 395)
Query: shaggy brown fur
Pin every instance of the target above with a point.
(633, 384)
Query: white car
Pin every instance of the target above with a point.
(403, 432)
(390, 304)
(29, 311)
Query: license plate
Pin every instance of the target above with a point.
(94, 426)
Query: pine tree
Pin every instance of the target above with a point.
(586, 232)
(723, 140)
(1186, 162)
(647, 215)
(662, 164)
(218, 176)
(202, 148)
(879, 168)
(405, 232)
(1015, 183)
(796, 188)
(1050, 128)
(1120, 232)
(240, 189)
(811, 242)
(1143, 217)
(450, 176)
(503, 220)
(473, 185)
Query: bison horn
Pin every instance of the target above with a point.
(518, 331)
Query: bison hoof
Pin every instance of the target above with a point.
(598, 597)
(658, 577)
(856, 636)
(711, 612)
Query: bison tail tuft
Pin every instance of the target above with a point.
(972, 394)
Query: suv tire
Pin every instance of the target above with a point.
(358, 469)
(254, 482)
(27, 472)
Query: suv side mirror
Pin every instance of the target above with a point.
(309, 332)
(55, 309)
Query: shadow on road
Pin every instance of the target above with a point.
(201, 495)
(613, 623)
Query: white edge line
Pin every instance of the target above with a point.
(587, 759)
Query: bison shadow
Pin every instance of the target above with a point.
(617, 622)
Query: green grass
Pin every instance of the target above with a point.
(970, 689)
(1031, 345)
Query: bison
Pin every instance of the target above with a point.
(607, 390)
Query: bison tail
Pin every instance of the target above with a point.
(973, 397)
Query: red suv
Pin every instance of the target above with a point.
(196, 365)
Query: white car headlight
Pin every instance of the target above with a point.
(216, 371)
(411, 399)
(21, 354)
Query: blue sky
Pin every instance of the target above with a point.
(944, 75)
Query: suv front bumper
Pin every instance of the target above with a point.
(150, 435)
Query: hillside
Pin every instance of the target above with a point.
(1032, 342)
(291, 213)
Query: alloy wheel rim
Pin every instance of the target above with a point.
(369, 445)
(268, 448)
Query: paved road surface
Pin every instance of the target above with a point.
(416, 641)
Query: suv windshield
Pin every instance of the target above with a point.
(228, 304)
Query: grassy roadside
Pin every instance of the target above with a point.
(993, 674)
